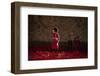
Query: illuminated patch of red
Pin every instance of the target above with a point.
(40, 54)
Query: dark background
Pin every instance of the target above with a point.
(40, 28)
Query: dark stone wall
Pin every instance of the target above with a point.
(40, 27)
